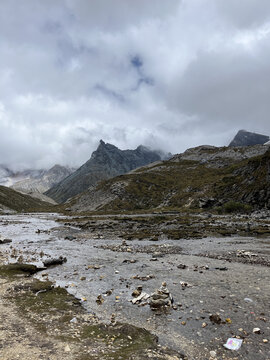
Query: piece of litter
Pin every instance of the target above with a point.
(233, 344)
(257, 330)
(74, 320)
(248, 300)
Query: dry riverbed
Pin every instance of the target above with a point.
(220, 287)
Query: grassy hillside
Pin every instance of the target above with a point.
(184, 184)
(14, 200)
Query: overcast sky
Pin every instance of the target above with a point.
(168, 74)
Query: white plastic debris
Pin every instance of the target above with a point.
(233, 344)
(74, 320)
(248, 300)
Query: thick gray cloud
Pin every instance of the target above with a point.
(169, 74)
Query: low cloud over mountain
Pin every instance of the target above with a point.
(167, 74)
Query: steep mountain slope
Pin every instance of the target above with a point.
(106, 162)
(42, 181)
(13, 200)
(246, 138)
(203, 177)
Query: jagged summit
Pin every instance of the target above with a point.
(105, 162)
(246, 138)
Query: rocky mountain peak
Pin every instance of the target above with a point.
(246, 138)
(106, 161)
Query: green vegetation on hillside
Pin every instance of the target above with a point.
(14, 200)
(192, 185)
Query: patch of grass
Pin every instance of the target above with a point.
(22, 202)
(235, 207)
(14, 270)
(127, 339)
(46, 306)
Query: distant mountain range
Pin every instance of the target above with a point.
(106, 162)
(92, 189)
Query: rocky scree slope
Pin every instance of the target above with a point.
(106, 162)
(246, 138)
(203, 177)
(15, 201)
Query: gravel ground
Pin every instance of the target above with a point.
(226, 276)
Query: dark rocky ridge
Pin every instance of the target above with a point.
(246, 138)
(106, 162)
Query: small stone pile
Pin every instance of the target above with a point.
(161, 297)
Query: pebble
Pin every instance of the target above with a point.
(256, 330)
(204, 325)
(213, 354)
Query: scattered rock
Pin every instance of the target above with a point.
(109, 292)
(95, 267)
(182, 266)
(137, 292)
(256, 330)
(5, 241)
(185, 284)
(99, 300)
(129, 261)
(215, 319)
(57, 261)
(142, 297)
(143, 278)
(113, 320)
(70, 237)
(245, 254)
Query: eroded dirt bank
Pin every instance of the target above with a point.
(223, 276)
